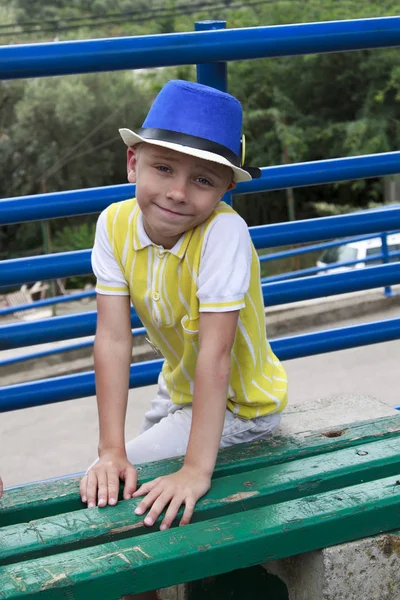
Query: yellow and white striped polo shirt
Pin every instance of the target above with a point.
(169, 289)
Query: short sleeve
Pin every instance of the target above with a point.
(224, 274)
(110, 279)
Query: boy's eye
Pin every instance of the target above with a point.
(163, 168)
(203, 181)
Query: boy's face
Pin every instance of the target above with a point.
(175, 191)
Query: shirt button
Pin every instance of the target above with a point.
(161, 253)
(156, 296)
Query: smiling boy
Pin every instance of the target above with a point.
(186, 262)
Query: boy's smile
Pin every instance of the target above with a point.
(175, 191)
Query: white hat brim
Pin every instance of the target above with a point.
(131, 138)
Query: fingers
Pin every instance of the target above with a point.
(148, 501)
(101, 485)
(82, 488)
(157, 507)
(91, 488)
(188, 512)
(171, 513)
(146, 488)
(130, 477)
(112, 489)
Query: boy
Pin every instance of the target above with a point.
(186, 261)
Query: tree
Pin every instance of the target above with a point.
(64, 132)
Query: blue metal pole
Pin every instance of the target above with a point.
(48, 302)
(67, 264)
(314, 247)
(58, 350)
(63, 204)
(308, 288)
(69, 387)
(315, 270)
(147, 51)
(332, 340)
(64, 328)
(50, 266)
(214, 74)
(80, 202)
(325, 228)
(18, 335)
(386, 259)
(58, 389)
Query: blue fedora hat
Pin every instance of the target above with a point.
(197, 120)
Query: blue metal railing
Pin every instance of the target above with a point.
(47, 302)
(93, 200)
(70, 387)
(263, 258)
(206, 48)
(17, 335)
(149, 51)
(68, 264)
(331, 266)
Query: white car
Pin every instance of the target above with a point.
(357, 251)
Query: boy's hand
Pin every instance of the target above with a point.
(1, 487)
(101, 484)
(185, 486)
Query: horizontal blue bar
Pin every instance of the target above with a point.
(17, 335)
(147, 51)
(322, 172)
(69, 387)
(331, 266)
(17, 271)
(59, 389)
(47, 302)
(38, 207)
(315, 247)
(308, 288)
(93, 200)
(58, 350)
(342, 338)
(324, 228)
(67, 264)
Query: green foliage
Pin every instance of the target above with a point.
(65, 132)
(78, 237)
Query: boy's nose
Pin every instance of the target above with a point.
(177, 192)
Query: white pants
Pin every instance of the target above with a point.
(166, 427)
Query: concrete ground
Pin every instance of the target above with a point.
(59, 439)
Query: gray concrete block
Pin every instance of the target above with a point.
(175, 592)
(331, 411)
(367, 569)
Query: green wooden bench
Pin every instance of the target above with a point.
(270, 499)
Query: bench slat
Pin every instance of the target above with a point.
(138, 564)
(46, 499)
(228, 495)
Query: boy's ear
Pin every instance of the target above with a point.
(231, 186)
(131, 161)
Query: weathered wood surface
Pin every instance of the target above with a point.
(57, 497)
(269, 499)
(228, 495)
(163, 558)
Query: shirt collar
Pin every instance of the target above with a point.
(141, 239)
